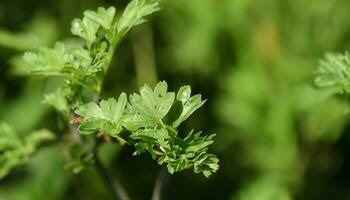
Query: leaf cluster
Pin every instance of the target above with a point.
(82, 67)
(334, 72)
(152, 117)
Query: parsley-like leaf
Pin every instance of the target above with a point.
(135, 12)
(148, 108)
(334, 71)
(103, 117)
(189, 104)
(103, 17)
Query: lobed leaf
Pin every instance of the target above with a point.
(189, 104)
(107, 116)
(334, 72)
(149, 108)
(103, 17)
(135, 14)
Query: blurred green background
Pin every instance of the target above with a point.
(278, 137)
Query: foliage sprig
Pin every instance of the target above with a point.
(334, 72)
(152, 118)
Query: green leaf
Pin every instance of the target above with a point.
(135, 14)
(334, 72)
(57, 100)
(47, 61)
(103, 17)
(107, 116)
(152, 136)
(85, 29)
(149, 108)
(60, 61)
(184, 94)
(190, 104)
(191, 152)
(80, 61)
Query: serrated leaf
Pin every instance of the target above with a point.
(46, 61)
(190, 104)
(157, 136)
(106, 116)
(135, 14)
(148, 108)
(103, 16)
(334, 71)
(85, 29)
(60, 61)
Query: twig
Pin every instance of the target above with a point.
(159, 184)
(115, 187)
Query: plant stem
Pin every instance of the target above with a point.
(113, 185)
(159, 184)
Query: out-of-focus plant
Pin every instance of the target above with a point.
(268, 107)
(15, 150)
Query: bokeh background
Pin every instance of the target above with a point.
(278, 137)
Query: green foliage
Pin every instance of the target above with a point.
(148, 108)
(82, 68)
(152, 117)
(189, 104)
(150, 130)
(106, 117)
(334, 72)
(135, 12)
(15, 150)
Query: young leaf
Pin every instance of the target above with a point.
(334, 72)
(135, 14)
(149, 108)
(190, 104)
(85, 29)
(103, 17)
(190, 152)
(103, 117)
